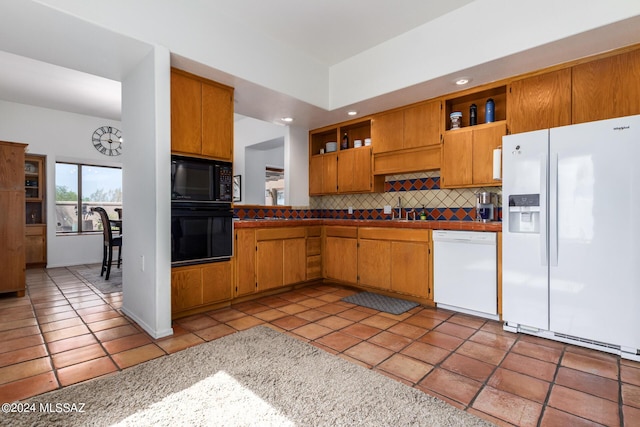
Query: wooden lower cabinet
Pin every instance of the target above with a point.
(198, 286)
(374, 267)
(281, 258)
(341, 254)
(245, 262)
(411, 267)
(395, 260)
(314, 252)
(35, 245)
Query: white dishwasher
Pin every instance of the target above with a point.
(465, 272)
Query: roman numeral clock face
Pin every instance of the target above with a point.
(107, 140)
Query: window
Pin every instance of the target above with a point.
(79, 188)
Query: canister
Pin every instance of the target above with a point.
(456, 119)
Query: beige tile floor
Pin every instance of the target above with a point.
(65, 331)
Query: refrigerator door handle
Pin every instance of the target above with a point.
(544, 173)
(553, 211)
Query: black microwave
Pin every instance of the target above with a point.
(201, 180)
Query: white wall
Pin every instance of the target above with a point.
(146, 121)
(61, 137)
(250, 132)
(256, 161)
(296, 172)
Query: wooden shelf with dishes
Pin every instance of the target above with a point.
(467, 150)
(35, 215)
(342, 170)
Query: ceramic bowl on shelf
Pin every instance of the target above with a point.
(330, 147)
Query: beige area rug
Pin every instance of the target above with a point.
(258, 377)
(91, 273)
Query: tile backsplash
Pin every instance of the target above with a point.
(415, 190)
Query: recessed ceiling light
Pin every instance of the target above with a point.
(352, 113)
(287, 119)
(462, 80)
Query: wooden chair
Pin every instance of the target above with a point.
(110, 242)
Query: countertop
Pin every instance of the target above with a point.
(434, 225)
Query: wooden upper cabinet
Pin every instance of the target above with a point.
(539, 102)
(186, 114)
(422, 125)
(413, 127)
(201, 117)
(315, 175)
(457, 163)
(354, 170)
(387, 131)
(467, 156)
(485, 140)
(606, 88)
(330, 173)
(217, 122)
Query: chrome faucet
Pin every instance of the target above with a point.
(399, 207)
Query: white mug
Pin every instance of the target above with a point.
(322, 151)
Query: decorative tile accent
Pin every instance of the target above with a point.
(416, 192)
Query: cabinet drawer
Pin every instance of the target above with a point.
(280, 233)
(396, 234)
(314, 267)
(315, 231)
(348, 232)
(34, 231)
(314, 245)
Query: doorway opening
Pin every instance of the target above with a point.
(274, 186)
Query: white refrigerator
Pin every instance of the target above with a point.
(571, 234)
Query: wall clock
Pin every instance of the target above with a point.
(107, 140)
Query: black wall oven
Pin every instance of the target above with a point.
(201, 232)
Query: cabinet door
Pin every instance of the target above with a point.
(330, 173)
(387, 132)
(410, 268)
(314, 257)
(12, 167)
(35, 247)
(354, 170)
(186, 288)
(341, 259)
(269, 265)
(12, 263)
(295, 261)
(422, 125)
(186, 114)
(485, 140)
(456, 158)
(374, 263)
(217, 122)
(606, 88)
(540, 102)
(245, 258)
(216, 282)
(315, 175)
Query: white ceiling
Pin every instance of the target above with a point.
(333, 30)
(328, 32)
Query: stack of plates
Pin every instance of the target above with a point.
(331, 147)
